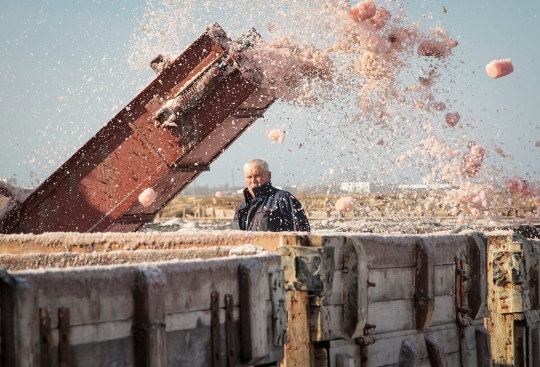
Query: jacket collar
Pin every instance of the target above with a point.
(263, 190)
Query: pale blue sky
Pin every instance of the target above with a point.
(51, 49)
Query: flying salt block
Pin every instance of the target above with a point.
(530, 217)
(147, 197)
(499, 68)
(520, 187)
(277, 135)
(381, 17)
(472, 161)
(460, 219)
(452, 118)
(345, 204)
(218, 194)
(363, 11)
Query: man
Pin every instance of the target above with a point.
(266, 208)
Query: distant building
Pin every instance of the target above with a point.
(356, 187)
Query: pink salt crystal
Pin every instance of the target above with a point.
(475, 211)
(452, 118)
(147, 197)
(345, 204)
(381, 17)
(90, 80)
(537, 202)
(472, 161)
(61, 99)
(277, 135)
(499, 151)
(530, 217)
(460, 219)
(440, 106)
(520, 187)
(218, 194)
(363, 11)
(537, 144)
(499, 68)
(380, 142)
(402, 158)
(436, 48)
(429, 205)
(515, 224)
(454, 211)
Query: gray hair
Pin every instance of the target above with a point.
(257, 163)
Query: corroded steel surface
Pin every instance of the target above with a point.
(216, 93)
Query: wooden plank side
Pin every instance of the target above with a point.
(355, 294)
(26, 324)
(326, 322)
(389, 251)
(344, 353)
(117, 352)
(93, 295)
(189, 286)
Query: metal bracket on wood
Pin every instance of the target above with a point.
(63, 337)
(424, 284)
(229, 331)
(214, 322)
(308, 268)
(279, 312)
(193, 168)
(462, 311)
(45, 337)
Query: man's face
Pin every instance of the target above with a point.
(255, 176)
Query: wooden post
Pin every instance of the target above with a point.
(7, 282)
(355, 276)
(297, 349)
(149, 318)
(483, 347)
(424, 284)
(26, 322)
(253, 333)
(45, 337)
(64, 337)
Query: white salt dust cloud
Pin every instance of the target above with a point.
(345, 204)
(379, 79)
(276, 135)
(147, 197)
(499, 68)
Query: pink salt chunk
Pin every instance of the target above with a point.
(520, 187)
(147, 197)
(363, 11)
(461, 219)
(537, 144)
(537, 202)
(530, 217)
(452, 118)
(218, 194)
(472, 161)
(381, 17)
(436, 48)
(277, 135)
(345, 204)
(499, 68)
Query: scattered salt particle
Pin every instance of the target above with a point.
(537, 202)
(277, 135)
(218, 194)
(475, 211)
(520, 187)
(381, 17)
(452, 118)
(515, 224)
(537, 144)
(345, 204)
(90, 80)
(363, 11)
(499, 68)
(147, 197)
(454, 211)
(461, 219)
(530, 217)
(402, 158)
(380, 142)
(439, 106)
(61, 99)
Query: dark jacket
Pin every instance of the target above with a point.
(271, 210)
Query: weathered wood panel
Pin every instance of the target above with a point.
(298, 349)
(355, 298)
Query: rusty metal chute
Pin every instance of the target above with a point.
(198, 104)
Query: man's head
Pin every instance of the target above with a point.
(256, 173)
